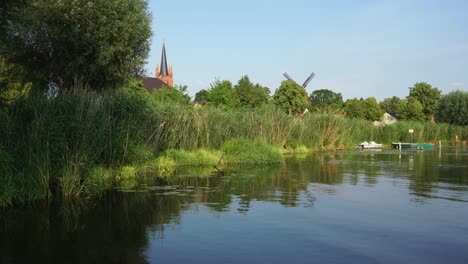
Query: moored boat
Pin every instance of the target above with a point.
(422, 146)
(369, 145)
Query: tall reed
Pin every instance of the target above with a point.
(50, 145)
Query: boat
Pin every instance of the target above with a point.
(369, 145)
(422, 146)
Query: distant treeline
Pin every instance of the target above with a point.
(424, 102)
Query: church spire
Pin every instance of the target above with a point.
(164, 69)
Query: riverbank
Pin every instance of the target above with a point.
(79, 144)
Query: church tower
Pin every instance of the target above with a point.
(163, 72)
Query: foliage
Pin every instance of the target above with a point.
(354, 108)
(12, 83)
(453, 108)
(98, 43)
(223, 95)
(177, 94)
(201, 97)
(199, 157)
(251, 95)
(394, 106)
(372, 109)
(7, 188)
(427, 96)
(291, 98)
(326, 98)
(368, 109)
(165, 166)
(413, 110)
(246, 151)
(64, 145)
(99, 179)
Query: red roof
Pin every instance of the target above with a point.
(151, 83)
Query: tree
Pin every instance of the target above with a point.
(354, 108)
(97, 43)
(453, 108)
(413, 110)
(291, 97)
(177, 95)
(394, 106)
(250, 95)
(427, 96)
(201, 97)
(326, 98)
(372, 110)
(223, 95)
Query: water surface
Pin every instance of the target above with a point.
(346, 207)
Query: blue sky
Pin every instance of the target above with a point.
(359, 48)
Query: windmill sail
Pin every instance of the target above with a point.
(288, 77)
(311, 76)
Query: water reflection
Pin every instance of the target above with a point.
(117, 227)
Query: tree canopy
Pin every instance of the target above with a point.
(372, 110)
(368, 109)
(97, 43)
(222, 95)
(326, 98)
(354, 108)
(453, 108)
(201, 97)
(291, 98)
(249, 94)
(427, 96)
(177, 94)
(394, 106)
(413, 110)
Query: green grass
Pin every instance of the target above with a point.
(198, 157)
(244, 151)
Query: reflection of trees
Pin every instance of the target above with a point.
(242, 184)
(432, 172)
(114, 230)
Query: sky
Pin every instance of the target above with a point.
(359, 48)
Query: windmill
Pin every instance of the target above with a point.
(307, 81)
(304, 85)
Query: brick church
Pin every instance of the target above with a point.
(163, 75)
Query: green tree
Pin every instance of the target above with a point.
(453, 108)
(291, 97)
(201, 97)
(413, 110)
(372, 110)
(354, 108)
(428, 96)
(177, 94)
(101, 44)
(326, 98)
(250, 95)
(223, 95)
(394, 106)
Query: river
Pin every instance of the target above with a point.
(345, 207)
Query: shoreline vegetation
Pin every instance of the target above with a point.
(80, 144)
(75, 119)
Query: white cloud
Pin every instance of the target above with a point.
(457, 84)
